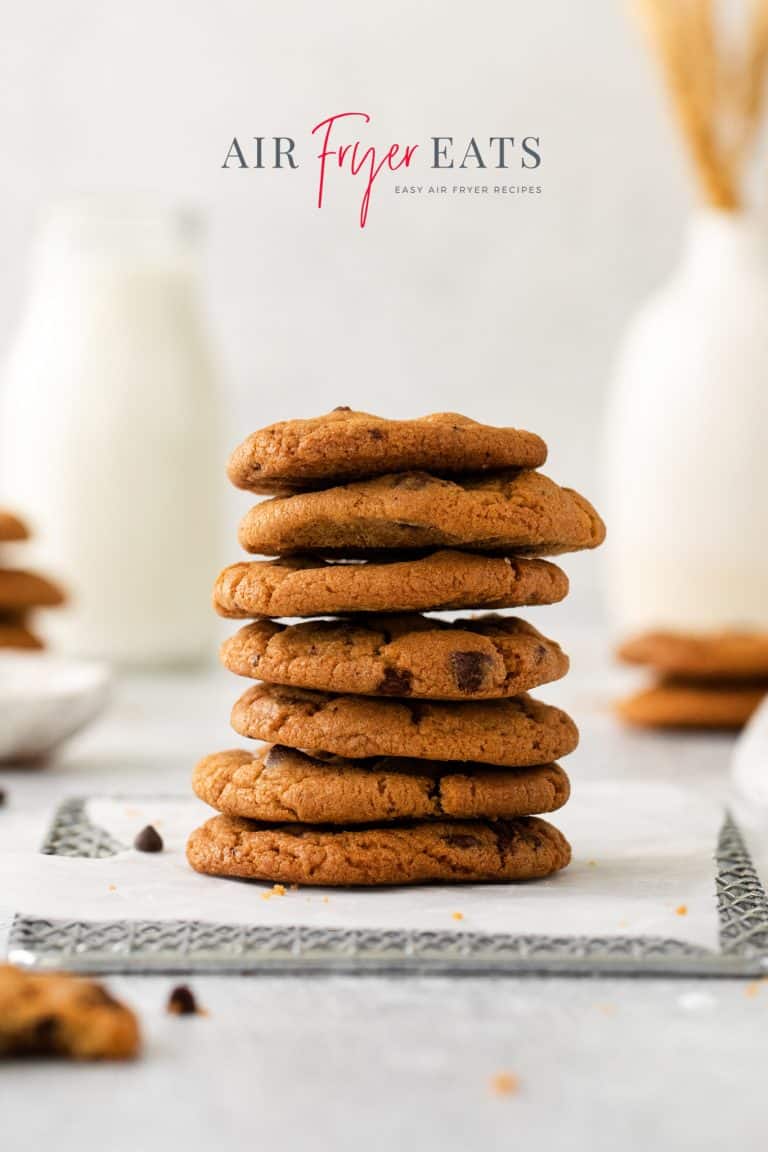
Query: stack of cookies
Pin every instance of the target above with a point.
(702, 680)
(21, 592)
(400, 748)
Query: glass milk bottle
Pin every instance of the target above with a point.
(687, 442)
(108, 432)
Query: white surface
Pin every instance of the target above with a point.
(46, 699)
(375, 1064)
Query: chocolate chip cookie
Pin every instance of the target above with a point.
(693, 704)
(18, 636)
(515, 732)
(11, 528)
(280, 784)
(728, 655)
(345, 445)
(470, 659)
(446, 580)
(19, 589)
(417, 852)
(521, 512)
(51, 1014)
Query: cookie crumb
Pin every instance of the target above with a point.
(457, 915)
(606, 1009)
(681, 910)
(294, 887)
(148, 840)
(753, 988)
(592, 863)
(505, 1084)
(325, 900)
(275, 890)
(112, 888)
(182, 1002)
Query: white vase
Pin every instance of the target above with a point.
(687, 442)
(108, 434)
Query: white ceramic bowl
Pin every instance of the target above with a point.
(44, 700)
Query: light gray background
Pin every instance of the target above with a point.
(506, 308)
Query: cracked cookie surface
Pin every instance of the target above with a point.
(522, 512)
(469, 659)
(515, 732)
(343, 445)
(282, 784)
(414, 853)
(52, 1014)
(444, 580)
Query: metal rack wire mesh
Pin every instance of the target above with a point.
(198, 946)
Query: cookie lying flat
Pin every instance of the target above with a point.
(51, 1014)
(281, 784)
(504, 512)
(515, 732)
(11, 528)
(718, 655)
(681, 704)
(416, 853)
(18, 636)
(19, 589)
(304, 586)
(471, 659)
(347, 445)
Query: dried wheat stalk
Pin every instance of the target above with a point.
(717, 97)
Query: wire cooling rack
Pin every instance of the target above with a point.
(199, 946)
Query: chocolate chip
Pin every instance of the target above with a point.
(417, 709)
(396, 682)
(375, 434)
(255, 661)
(469, 670)
(276, 755)
(181, 1001)
(459, 840)
(148, 840)
(45, 1033)
(540, 653)
(343, 408)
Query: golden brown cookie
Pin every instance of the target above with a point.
(515, 732)
(345, 445)
(281, 784)
(11, 528)
(692, 704)
(414, 853)
(471, 659)
(522, 512)
(52, 1014)
(308, 586)
(731, 655)
(18, 636)
(19, 589)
